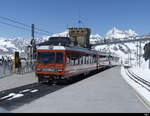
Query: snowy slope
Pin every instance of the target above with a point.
(62, 34)
(119, 34)
(9, 45)
(6, 46)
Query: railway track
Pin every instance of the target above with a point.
(143, 83)
(138, 79)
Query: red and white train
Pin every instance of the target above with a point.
(62, 62)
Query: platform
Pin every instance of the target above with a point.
(17, 80)
(106, 92)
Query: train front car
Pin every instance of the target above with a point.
(50, 64)
(61, 63)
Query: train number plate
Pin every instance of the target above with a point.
(48, 70)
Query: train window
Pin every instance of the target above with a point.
(72, 61)
(90, 59)
(46, 57)
(82, 60)
(78, 60)
(68, 58)
(87, 59)
(59, 58)
(94, 58)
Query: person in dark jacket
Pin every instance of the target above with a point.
(19, 66)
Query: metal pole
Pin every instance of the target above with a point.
(137, 54)
(32, 31)
(32, 41)
(140, 52)
(149, 63)
(130, 58)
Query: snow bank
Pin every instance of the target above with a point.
(143, 93)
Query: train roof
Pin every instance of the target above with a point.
(72, 48)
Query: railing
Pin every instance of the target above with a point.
(27, 68)
(108, 42)
(7, 68)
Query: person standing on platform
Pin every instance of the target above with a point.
(19, 66)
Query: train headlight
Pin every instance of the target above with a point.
(60, 70)
(38, 69)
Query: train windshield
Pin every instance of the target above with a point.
(49, 57)
(46, 57)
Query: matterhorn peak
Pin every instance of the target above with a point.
(118, 34)
(115, 28)
(113, 31)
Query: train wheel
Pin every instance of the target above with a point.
(86, 74)
(40, 80)
(66, 81)
(50, 82)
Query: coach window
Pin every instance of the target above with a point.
(72, 60)
(94, 57)
(84, 59)
(81, 59)
(76, 59)
(68, 58)
(90, 59)
(59, 58)
(87, 59)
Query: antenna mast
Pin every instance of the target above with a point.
(79, 21)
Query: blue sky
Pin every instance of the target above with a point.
(55, 15)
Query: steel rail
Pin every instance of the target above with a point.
(138, 80)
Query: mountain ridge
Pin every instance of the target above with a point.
(10, 45)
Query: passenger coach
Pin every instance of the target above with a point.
(62, 63)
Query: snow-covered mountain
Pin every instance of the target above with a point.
(62, 34)
(9, 45)
(125, 50)
(119, 34)
(96, 39)
(6, 46)
(114, 33)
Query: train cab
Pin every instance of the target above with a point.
(50, 63)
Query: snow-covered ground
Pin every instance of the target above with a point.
(144, 73)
